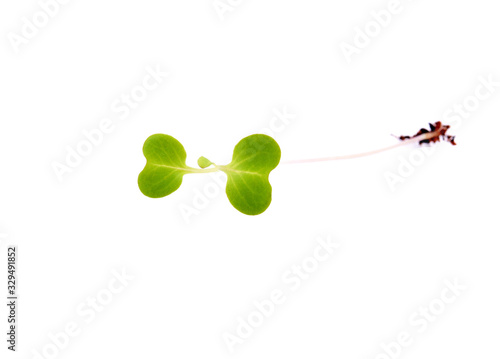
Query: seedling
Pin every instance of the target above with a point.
(254, 157)
(248, 188)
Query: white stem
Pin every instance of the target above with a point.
(424, 136)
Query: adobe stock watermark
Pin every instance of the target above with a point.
(30, 27)
(121, 109)
(86, 313)
(280, 120)
(222, 7)
(454, 116)
(421, 319)
(364, 35)
(291, 280)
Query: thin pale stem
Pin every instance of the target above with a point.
(424, 136)
(202, 170)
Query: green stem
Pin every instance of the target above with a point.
(202, 170)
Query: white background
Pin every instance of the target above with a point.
(193, 280)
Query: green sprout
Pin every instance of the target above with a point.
(248, 188)
(254, 157)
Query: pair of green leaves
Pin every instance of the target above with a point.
(248, 188)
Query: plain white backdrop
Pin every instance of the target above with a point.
(231, 70)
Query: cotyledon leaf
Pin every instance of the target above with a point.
(165, 167)
(248, 188)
